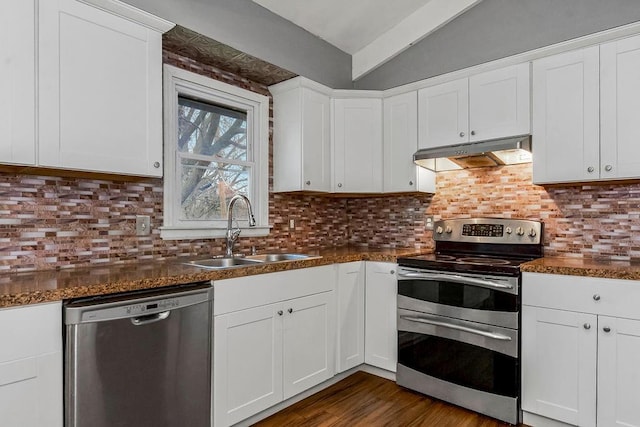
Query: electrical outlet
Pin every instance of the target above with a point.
(143, 225)
(292, 224)
(428, 222)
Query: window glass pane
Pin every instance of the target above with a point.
(208, 187)
(211, 130)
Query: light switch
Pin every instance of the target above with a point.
(143, 225)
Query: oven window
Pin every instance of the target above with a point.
(459, 363)
(458, 295)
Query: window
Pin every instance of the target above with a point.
(215, 146)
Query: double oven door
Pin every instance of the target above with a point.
(458, 339)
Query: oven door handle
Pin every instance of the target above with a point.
(458, 279)
(487, 334)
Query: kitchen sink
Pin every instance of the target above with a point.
(218, 263)
(279, 257)
(215, 263)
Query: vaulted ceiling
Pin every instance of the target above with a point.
(372, 31)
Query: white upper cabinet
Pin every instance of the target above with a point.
(301, 136)
(585, 109)
(499, 103)
(444, 114)
(620, 109)
(100, 88)
(357, 145)
(400, 142)
(484, 106)
(566, 129)
(18, 82)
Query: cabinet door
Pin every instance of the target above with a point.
(620, 108)
(17, 82)
(380, 315)
(31, 366)
(301, 140)
(350, 315)
(100, 83)
(499, 103)
(559, 365)
(618, 372)
(400, 143)
(308, 342)
(247, 364)
(357, 146)
(443, 114)
(566, 117)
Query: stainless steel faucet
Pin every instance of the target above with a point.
(232, 235)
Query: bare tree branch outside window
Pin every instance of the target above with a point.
(212, 147)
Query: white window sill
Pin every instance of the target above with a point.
(179, 233)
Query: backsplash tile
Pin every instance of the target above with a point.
(49, 222)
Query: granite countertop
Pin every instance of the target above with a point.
(629, 270)
(55, 285)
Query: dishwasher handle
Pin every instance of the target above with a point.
(150, 318)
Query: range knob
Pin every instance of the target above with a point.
(439, 230)
(520, 231)
(532, 233)
(448, 230)
(509, 230)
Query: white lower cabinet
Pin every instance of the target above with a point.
(381, 302)
(280, 343)
(31, 366)
(351, 306)
(580, 347)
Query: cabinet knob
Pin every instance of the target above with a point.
(461, 134)
(156, 165)
(290, 310)
(596, 297)
(339, 185)
(392, 272)
(590, 169)
(606, 329)
(473, 132)
(308, 182)
(608, 168)
(280, 312)
(587, 326)
(410, 182)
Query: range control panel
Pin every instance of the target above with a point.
(489, 230)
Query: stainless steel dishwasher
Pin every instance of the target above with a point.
(139, 359)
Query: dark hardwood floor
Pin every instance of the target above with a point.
(367, 400)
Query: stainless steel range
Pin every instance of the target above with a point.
(459, 314)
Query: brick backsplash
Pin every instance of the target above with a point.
(49, 222)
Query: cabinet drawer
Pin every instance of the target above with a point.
(30, 331)
(610, 297)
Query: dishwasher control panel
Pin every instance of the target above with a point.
(152, 307)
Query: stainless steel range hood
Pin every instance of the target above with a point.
(495, 152)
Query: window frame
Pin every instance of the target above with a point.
(186, 83)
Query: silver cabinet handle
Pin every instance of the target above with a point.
(290, 310)
(590, 169)
(457, 279)
(392, 272)
(473, 132)
(608, 168)
(410, 182)
(339, 184)
(596, 297)
(461, 134)
(606, 329)
(152, 318)
(433, 322)
(587, 326)
(280, 312)
(156, 165)
(308, 182)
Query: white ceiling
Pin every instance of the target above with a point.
(372, 31)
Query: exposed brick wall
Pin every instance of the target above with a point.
(59, 222)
